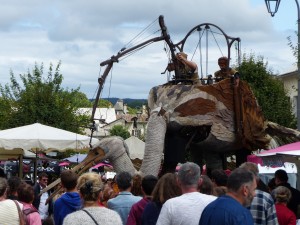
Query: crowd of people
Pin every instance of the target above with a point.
(184, 197)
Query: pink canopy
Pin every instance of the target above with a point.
(64, 163)
(102, 164)
(289, 149)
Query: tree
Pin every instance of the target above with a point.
(269, 90)
(293, 47)
(103, 103)
(119, 130)
(42, 100)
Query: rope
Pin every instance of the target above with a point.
(132, 43)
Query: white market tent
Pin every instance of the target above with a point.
(287, 156)
(136, 148)
(41, 138)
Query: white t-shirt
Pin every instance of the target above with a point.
(9, 212)
(185, 209)
(43, 208)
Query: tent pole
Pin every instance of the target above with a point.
(35, 167)
(21, 166)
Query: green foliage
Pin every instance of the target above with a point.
(293, 47)
(135, 103)
(42, 99)
(269, 91)
(81, 101)
(119, 130)
(102, 103)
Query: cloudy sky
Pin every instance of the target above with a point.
(84, 33)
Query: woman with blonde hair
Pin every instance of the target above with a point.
(90, 186)
(284, 214)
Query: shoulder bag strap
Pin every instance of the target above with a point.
(21, 218)
(90, 216)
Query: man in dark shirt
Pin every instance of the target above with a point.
(281, 179)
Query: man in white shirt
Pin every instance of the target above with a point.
(39, 202)
(187, 208)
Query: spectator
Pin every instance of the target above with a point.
(166, 188)
(70, 201)
(231, 208)
(13, 185)
(219, 177)
(271, 185)
(135, 214)
(9, 212)
(262, 207)
(219, 191)
(2, 174)
(137, 185)
(26, 196)
(187, 208)
(206, 185)
(89, 186)
(107, 194)
(123, 202)
(39, 201)
(285, 215)
(281, 179)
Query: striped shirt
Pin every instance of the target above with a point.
(263, 209)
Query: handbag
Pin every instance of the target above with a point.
(21, 216)
(90, 216)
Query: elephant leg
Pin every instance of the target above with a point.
(213, 161)
(174, 151)
(241, 156)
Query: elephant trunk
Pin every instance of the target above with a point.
(154, 146)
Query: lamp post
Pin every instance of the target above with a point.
(272, 6)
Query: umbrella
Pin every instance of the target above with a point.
(42, 138)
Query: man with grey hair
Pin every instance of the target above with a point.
(262, 207)
(187, 208)
(230, 209)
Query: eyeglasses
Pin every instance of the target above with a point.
(44, 179)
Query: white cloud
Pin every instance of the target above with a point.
(84, 33)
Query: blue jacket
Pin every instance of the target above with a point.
(122, 204)
(69, 202)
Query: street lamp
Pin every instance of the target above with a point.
(272, 6)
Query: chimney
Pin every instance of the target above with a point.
(125, 109)
(144, 110)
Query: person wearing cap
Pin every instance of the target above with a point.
(187, 69)
(225, 71)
